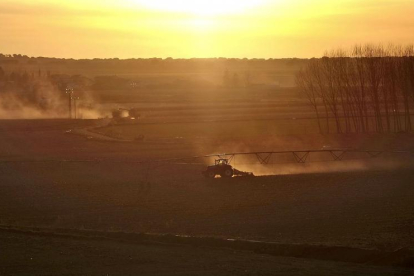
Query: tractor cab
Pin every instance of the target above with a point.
(222, 162)
(223, 168)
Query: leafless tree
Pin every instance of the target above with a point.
(370, 88)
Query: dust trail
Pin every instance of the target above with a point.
(326, 167)
(316, 162)
(41, 99)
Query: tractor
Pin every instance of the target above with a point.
(223, 168)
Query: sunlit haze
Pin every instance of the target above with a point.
(186, 28)
(201, 7)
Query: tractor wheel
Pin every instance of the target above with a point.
(227, 173)
(211, 174)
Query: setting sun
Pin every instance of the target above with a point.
(199, 28)
(201, 7)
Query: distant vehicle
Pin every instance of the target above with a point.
(223, 168)
(125, 115)
(120, 113)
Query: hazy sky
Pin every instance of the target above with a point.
(199, 28)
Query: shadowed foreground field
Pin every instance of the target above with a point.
(366, 209)
(37, 255)
(43, 255)
(43, 184)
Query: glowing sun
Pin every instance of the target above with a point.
(201, 7)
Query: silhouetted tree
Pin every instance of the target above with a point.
(305, 83)
(371, 86)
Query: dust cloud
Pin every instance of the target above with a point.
(325, 167)
(46, 102)
(317, 162)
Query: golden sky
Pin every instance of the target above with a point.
(199, 28)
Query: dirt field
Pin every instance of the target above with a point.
(41, 185)
(36, 255)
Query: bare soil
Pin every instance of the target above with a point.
(51, 179)
(39, 255)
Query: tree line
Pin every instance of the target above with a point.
(369, 88)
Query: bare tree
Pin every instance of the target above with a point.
(370, 87)
(306, 84)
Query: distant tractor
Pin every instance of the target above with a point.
(223, 168)
(120, 113)
(123, 115)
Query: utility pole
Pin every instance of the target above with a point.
(69, 92)
(75, 103)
